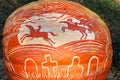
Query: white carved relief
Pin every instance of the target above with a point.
(26, 66)
(78, 66)
(90, 61)
(60, 25)
(54, 65)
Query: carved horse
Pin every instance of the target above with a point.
(36, 34)
(75, 26)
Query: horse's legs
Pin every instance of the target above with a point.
(49, 41)
(84, 35)
(63, 28)
(23, 37)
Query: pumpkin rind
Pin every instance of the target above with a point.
(56, 40)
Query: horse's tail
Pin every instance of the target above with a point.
(53, 34)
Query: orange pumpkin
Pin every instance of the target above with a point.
(56, 40)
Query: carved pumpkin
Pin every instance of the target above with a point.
(56, 40)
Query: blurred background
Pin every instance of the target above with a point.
(108, 10)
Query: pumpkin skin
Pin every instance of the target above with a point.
(56, 40)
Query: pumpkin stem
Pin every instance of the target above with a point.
(51, 0)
